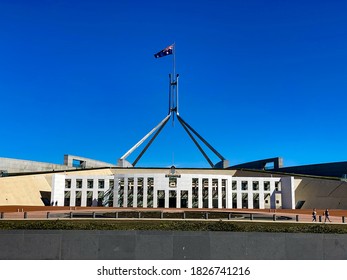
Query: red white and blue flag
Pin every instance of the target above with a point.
(167, 51)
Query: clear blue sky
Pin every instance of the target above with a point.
(258, 79)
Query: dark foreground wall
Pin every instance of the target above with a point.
(104, 245)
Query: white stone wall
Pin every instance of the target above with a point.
(265, 191)
(58, 185)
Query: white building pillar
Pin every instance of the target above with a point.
(239, 194)
(106, 188)
(178, 198)
(166, 198)
(125, 195)
(84, 192)
(73, 192)
(145, 191)
(261, 195)
(155, 196)
(58, 189)
(115, 191)
(210, 193)
(135, 193)
(288, 192)
(200, 192)
(228, 194)
(250, 194)
(190, 198)
(220, 194)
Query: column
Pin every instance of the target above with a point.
(145, 190)
(239, 194)
(261, 195)
(73, 192)
(107, 189)
(200, 192)
(250, 194)
(155, 195)
(125, 195)
(190, 198)
(210, 201)
(178, 198)
(220, 194)
(115, 191)
(167, 198)
(58, 189)
(84, 192)
(229, 194)
(135, 193)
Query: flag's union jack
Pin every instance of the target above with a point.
(168, 50)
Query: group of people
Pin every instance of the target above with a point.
(326, 214)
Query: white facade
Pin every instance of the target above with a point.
(155, 190)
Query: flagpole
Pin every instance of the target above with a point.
(175, 77)
(174, 60)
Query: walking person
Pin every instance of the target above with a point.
(314, 215)
(327, 215)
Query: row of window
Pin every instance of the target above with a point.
(103, 199)
(90, 183)
(173, 183)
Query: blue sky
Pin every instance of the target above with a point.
(258, 79)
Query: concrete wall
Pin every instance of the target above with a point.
(12, 165)
(85, 162)
(106, 245)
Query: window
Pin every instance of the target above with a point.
(255, 186)
(184, 199)
(256, 201)
(244, 185)
(130, 192)
(79, 184)
(66, 198)
(90, 183)
(78, 199)
(234, 200)
(140, 182)
(245, 200)
(90, 198)
(266, 186)
(150, 191)
(101, 184)
(100, 198)
(215, 182)
(67, 183)
(234, 185)
(150, 182)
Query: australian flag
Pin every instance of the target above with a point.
(168, 50)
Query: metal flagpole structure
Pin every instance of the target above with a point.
(173, 110)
